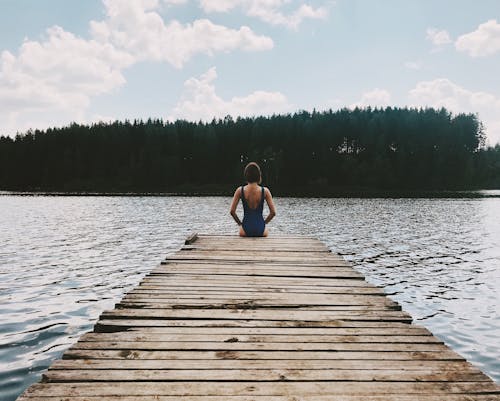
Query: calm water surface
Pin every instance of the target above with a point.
(63, 260)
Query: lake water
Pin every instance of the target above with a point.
(63, 260)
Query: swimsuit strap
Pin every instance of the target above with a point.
(262, 197)
(242, 195)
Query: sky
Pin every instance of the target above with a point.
(101, 60)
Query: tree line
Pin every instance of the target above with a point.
(305, 152)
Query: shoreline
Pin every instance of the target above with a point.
(479, 193)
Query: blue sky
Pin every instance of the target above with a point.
(85, 61)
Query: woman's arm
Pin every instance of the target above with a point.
(270, 203)
(234, 204)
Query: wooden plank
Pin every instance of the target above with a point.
(216, 272)
(245, 246)
(257, 338)
(227, 287)
(250, 273)
(308, 286)
(257, 264)
(250, 290)
(259, 346)
(269, 242)
(331, 397)
(257, 314)
(184, 279)
(254, 262)
(257, 254)
(264, 375)
(280, 298)
(388, 331)
(234, 304)
(358, 287)
(445, 355)
(228, 305)
(250, 293)
(104, 324)
(250, 268)
(306, 364)
(276, 236)
(285, 258)
(283, 279)
(259, 388)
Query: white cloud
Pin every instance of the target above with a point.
(52, 81)
(444, 93)
(270, 11)
(63, 70)
(200, 101)
(218, 6)
(484, 41)
(174, 2)
(374, 98)
(56, 77)
(137, 28)
(438, 38)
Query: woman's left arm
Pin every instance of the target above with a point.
(270, 203)
(234, 204)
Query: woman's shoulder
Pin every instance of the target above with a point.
(266, 190)
(237, 191)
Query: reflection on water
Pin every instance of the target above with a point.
(65, 259)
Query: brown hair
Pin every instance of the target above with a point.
(252, 172)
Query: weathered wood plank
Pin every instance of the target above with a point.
(257, 314)
(259, 338)
(344, 273)
(258, 346)
(235, 303)
(263, 273)
(264, 375)
(331, 397)
(252, 388)
(446, 355)
(307, 364)
(304, 270)
(106, 324)
(383, 330)
(185, 279)
(170, 260)
(241, 246)
(278, 298)
(255, 253)
(256, 263)
(286, 299)
(225, 288)
(294, 259)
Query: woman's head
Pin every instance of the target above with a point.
(252, 173)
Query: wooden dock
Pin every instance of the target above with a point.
(254, 319)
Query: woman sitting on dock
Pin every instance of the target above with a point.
(252, 196)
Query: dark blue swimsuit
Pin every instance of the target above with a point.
(253, 221)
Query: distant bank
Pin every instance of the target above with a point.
(332, 153)
(353, 193)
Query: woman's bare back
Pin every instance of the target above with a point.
(253, 195)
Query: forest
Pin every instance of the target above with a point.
(305, 153)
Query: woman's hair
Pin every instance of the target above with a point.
(252, 172)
